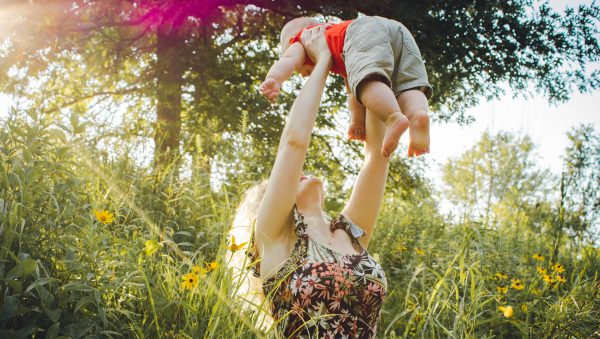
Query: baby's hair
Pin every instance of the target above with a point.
(292, 27)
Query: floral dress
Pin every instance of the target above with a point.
(321, 293)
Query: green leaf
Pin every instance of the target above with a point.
(82, 302)
(41, 282)
(25, 331)
(9, 308)
(102, 315)
(77, 286)
(54, 315)
(52, 332)
(184, 233)
(59, 134)
(15, 272)
(29, 266)
(16, 285)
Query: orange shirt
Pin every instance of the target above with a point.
(334, 35)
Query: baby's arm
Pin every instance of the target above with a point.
(356, 131)
(282, 69)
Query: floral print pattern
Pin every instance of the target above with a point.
(321, 293)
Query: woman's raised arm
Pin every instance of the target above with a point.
(275, 211)
(367, 194)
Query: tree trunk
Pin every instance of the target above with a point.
(169, 72)
(560, 222)
(203, 146)
(492, 175)
(201, 161)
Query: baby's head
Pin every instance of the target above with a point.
(291, 28)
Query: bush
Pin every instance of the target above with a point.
(95, 246)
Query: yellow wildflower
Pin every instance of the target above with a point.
(501, 276)
(508, 311)
(419, 251)
(560, 279)
(151, 246)
(235, 247)
(548, 279)
(190, 281)
(501, 289)
(104, 216)
(199, 270)
(213, 265)
(558, 268)
(400, 248)
(517, 284)
(541, 270)
(538, 257)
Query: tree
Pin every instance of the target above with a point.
(194, 61)
(496, 181)
(579, 209)
(581, 176)
(192, 75)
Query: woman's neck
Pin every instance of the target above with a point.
(313, 217)
(309, 210)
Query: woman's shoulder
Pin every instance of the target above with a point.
(344, 222)
(292, 248)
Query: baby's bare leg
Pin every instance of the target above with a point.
(379, 99)
(415, 106)
(356, 130)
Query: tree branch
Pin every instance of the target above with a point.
(336, 159)
(93, 95)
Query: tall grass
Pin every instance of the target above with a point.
(64, 273)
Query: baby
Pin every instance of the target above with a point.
(383, 71)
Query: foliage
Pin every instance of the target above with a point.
(496, 180)
(174, 72)
(67, 271)
(91, 248)
(96, 242)
(581, 179)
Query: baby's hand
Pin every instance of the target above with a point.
(270, 89)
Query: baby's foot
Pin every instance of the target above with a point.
(356, 131)
(395, 126)
(419, 134)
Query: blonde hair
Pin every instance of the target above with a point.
(247, 288)
(291, 28)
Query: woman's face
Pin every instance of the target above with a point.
(310, 191)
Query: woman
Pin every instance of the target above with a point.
(316, 272)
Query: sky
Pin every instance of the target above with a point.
(547, 125)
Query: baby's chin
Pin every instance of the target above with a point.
(305, 73)
(311, 186)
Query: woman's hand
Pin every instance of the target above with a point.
(315, 45)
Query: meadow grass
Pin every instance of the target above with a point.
(95, 246)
